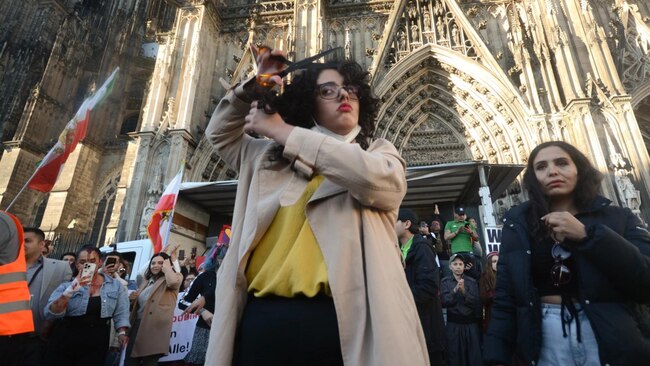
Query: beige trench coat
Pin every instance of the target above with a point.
(356, 203)
(156, 325)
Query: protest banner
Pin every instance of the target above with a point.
(492, 238)
(180, 340)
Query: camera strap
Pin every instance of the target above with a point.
(34, 275)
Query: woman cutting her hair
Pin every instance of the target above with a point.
(573, 271)
(313, 275)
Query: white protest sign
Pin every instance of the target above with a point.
(180, 340)
(492, 238)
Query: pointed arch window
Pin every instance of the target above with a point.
(40, 212)
(104, 211)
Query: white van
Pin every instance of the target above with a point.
(138, 252)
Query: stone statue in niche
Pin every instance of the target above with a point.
(155, 185)
(438, 9)
(401, 38)
(415, 34)
(441, 28)
(455, 35)
(146, 216)
(289, 37)
(630, 196)
(427, 21)
(412, 11)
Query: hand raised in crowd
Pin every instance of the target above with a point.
(563, 225)
(74, 286)
(111, 269)
(167, 267)
(83, 280)
(172, 250)
(196, 306)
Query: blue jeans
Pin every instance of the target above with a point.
(557, 350)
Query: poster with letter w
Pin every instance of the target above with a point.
(492, 238)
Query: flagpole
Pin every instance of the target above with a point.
(86, 107)
(171, 214)
(21, 190)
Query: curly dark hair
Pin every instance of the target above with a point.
(586, 189)
(296, 105)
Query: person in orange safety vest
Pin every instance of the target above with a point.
(15, 310)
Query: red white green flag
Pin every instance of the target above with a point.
(161, 219)
(49, 168)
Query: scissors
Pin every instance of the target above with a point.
(264, 79)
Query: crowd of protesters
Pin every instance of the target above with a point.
(333, 271)
(84, 310)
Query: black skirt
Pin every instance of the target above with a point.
(288, 331)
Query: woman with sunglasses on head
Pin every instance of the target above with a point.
(153, 311)
(562, 297)
(313, 275)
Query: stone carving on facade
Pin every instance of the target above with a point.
(348, 44)
(622, 169)
(462, 116)
(629, 38)
(147, 211)
(168, 120)
(631, 196)
(427, 22)
(401, 35)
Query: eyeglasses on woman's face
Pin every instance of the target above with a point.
(331, 91)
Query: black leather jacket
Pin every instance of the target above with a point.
(613, 271)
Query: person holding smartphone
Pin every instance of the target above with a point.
(85, 307)
(461, 233)
(153, 310)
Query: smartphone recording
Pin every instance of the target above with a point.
(110, 261)
(88, 272)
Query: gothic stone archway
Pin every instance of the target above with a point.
(441, 106)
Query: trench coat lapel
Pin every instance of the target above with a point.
(47, 274)
(269, 199)
(326, 189)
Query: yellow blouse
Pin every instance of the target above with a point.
(288, 261)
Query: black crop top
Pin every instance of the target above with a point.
(542, 262)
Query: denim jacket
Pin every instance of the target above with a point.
(115, 302)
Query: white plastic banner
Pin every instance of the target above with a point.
(492, 238)
(180, 340)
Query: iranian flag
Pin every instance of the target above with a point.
(49, 168)
(161, 219)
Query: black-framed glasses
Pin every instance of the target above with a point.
(332, 91)
(560, 274)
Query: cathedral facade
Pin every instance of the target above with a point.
(458, 80)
